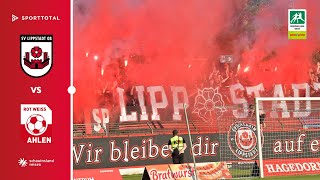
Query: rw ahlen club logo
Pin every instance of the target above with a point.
(36, 57)
(36, 120)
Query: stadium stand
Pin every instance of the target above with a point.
(142, 127)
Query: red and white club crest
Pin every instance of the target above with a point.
(36, 118)
(36, 54)
(242, 140)
(245, 139)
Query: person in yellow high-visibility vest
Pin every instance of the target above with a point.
(177, 145)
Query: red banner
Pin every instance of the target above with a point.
(285, 167)
(97, 174)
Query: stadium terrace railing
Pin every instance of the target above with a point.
(137, 128)
(197, 125)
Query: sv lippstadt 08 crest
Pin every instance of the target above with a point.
(36, 54)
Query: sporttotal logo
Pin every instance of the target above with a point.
(242, 140)
(36, 54)
(36, 120)
(297, 24)
(36, 18)
(14, 17)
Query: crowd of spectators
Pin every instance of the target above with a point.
(219, 75)
(314, 77)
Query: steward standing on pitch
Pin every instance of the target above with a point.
(177, 145)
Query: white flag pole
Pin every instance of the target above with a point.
(190, 139)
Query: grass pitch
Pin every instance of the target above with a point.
(309, 177)
(243, 174)
(132, 177)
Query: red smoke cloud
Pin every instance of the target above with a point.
(291, 58)
(172, 34)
